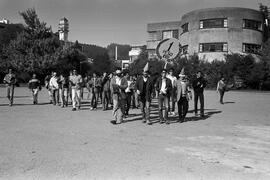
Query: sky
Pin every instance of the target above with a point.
(102, 22)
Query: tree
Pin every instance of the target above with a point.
(36, 49)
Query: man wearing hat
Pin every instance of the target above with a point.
(164, 87)
(183, 95)
(118, 86)
(144, 87)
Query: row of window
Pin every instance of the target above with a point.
(223, 23)
(206, 24)
(223, 47)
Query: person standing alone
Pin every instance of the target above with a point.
(198, 86)
(34, 86)
(10, 81)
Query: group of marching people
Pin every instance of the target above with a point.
(61, 88)
(170, 91)
(122, 91)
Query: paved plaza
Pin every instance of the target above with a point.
(49, 142)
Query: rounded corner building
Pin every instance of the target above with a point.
(211, 33)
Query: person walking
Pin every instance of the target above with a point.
(63, 90)
(34, 86)
(118, 86)
(47, 86)
(198, 87)
(129, 92)
(172, 95)
(54, 87)
(221, 88)
(10, 81)
(93, 85)
(183, 95)
(143, 88)
(105, 87)
(75, 82)
(164, 87)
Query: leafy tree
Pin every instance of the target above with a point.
(36, 49)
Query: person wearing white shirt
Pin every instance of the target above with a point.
(54, 87)
(172, 98)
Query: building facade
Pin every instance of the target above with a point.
(212, 33)
(63, 29)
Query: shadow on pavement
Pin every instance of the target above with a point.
(229, 102)
(154, 118)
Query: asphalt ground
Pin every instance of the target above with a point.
(49, 142)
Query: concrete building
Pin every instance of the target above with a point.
(212, 33)
(134, 53)
(63, 29)
(5, 21)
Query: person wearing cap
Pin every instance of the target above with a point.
(164, 87)
(75, 83)
(10, 81)
(143, 88)
(183, 95)
(172, 94)
(34, 86)
(118, 86)
(198, 87)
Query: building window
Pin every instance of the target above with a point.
(185, 28)
(252, 24)
(184, 49)
(251, 48)
(170, 34)
(152, 36)
(213, 47)
(213, 23)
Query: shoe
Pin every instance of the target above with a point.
(161, 121)
(91, 108)
(167, 122)
(79, 107)
(73, 109)
(113, 122)
(144, 121)
(202, 115)
(148, 123)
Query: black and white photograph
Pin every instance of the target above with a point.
(134, 89)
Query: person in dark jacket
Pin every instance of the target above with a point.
(198, 86)
(105, 86)
(143, 88)
(34, 86)
(164, 87)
